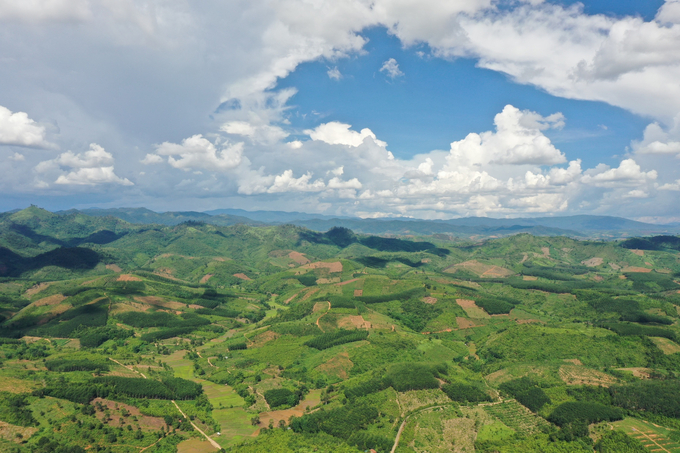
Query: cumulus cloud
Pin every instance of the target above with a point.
(197, 152)
(391, 69)
(627, 173)
(18, 129)
(518, 140)
(659, 140)
(671, 186)
(91, 168)
(336, 133)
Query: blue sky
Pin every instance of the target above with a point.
(426, 109)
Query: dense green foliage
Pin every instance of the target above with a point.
(571, 412)
(281, 397)
(328, 340)
(465, 393)
(527, 393)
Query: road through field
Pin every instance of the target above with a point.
(212, 441)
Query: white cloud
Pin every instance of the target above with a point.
(260, 133)
(196, 152)
(337, 183)
(659, 140)
(44, 10)
(518, 140)
(18, 129)
(16, 157)
(286, 182)
(295, 144)
(151, 159)
(627, 173)
(93, 167)
(391, 69)
(671, 186)
(334, 73)
(336, 133)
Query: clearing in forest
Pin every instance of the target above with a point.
(471, 308)
(206, 277)
(579, 375)
(128, 278)
(634, 269)
(298, 257)
(333, 267)
(242, 276)
(666, 345)
(592, 262)
(15, 433)
(337, 366)
(353, 322)
(655, 438)
(481, 269)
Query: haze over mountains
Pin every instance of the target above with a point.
(573, 226)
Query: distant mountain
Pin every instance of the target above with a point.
(606, 227)
(146, 216)
(274, 216)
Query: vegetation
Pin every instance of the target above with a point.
(514, 344)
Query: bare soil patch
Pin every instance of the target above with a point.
(616, 267)
(264, 337)
(481, 269)
(641, 270)
(346, 282)
(598, 278)
(54, 299)
(325, 281)
(159, 302)
(298, 257)
(529, 278)
(284, 415)
(578, 375)
(115, 409)
(430, 300)
(472, 310)
(114, 268)
(592, 262)
(524, 258)
(333, 267)
(466, 303)
(9, 432)
(33, 290)
(464, 323)
(574, 361)
(352, 322)
(638, 372)
(128, 278)
(358, 292)
(242, 276)
(309, 294)
(337, 366)
(460, 433)
(195, 445)
(638, 252)
(546, 251)
(205, 279)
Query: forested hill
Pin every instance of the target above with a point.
(128, 337)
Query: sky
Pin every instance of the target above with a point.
(383, 108)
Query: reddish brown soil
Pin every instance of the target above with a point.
(144, 421)
(298, 257)
(206, 277)
(430, 300)
(114, 268)
(642, 270)
(128, 278)
(358, 292)
(242, 276)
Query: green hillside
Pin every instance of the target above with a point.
(122, 337)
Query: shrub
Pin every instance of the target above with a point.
(527, 393)
(465, 393)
